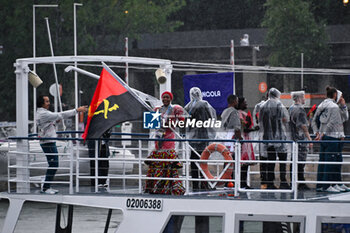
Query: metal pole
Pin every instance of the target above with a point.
(34, 69)
(187, 169)
(75, 64)
(124, 183)
(77, 168)
(237, 177)
(71, 161)
(302, 71)
(34, 65)
(294, 169)
(168, 69)
(140, 166)
(232, 62)
(22, 172)
(97, 150)
(127, 64)
(54, 68)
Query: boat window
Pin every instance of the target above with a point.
(41, 217)
(192, 224)
(36, 217)
(4, 205)
(333, 224)
(269, 223)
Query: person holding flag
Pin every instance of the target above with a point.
(165, 150)
(46, 122)
(113, 103)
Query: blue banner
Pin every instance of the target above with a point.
(215, 88)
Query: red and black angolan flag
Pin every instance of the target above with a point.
(111, 104)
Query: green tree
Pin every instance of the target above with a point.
(333, 12)
(292, 30)
(101, 25)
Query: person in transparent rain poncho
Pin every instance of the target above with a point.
(298, 125)
(273, 119)
(200, 110)
(330, 114)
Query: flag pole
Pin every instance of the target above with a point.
(55, 72)
(127, 64)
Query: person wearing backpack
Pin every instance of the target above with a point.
(328, 126)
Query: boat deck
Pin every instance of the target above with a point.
(220, 194)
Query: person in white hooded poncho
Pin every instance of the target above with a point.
(273, 117)
(201, 110)
(328, 125)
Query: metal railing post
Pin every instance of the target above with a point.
(8, 168)
(124, 148)
(140, 167)
(237, 177)
(96, 165)
(77, 168)
(71, 166)
(295, 169)
(187, 168)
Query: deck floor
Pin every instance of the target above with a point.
(311, 194)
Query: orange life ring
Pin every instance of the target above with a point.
(205, 156)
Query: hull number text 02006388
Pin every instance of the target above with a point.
(144, 204)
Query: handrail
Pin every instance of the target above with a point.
(147, 134)
(140, 159)
(176, 140)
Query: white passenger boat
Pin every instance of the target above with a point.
(220, 209)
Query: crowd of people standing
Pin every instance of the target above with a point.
(272, 122)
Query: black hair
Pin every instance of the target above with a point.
(231, 99)
(330, 91)
(240, 102)
(40, 101)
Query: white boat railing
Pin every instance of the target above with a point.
(128, 172)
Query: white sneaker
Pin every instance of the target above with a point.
(346, 188)
(339, 188)
(331, 189)
(50, 191)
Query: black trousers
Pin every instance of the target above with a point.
(267, 170)
(102, 165)
(302, 154)
(244, 174)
